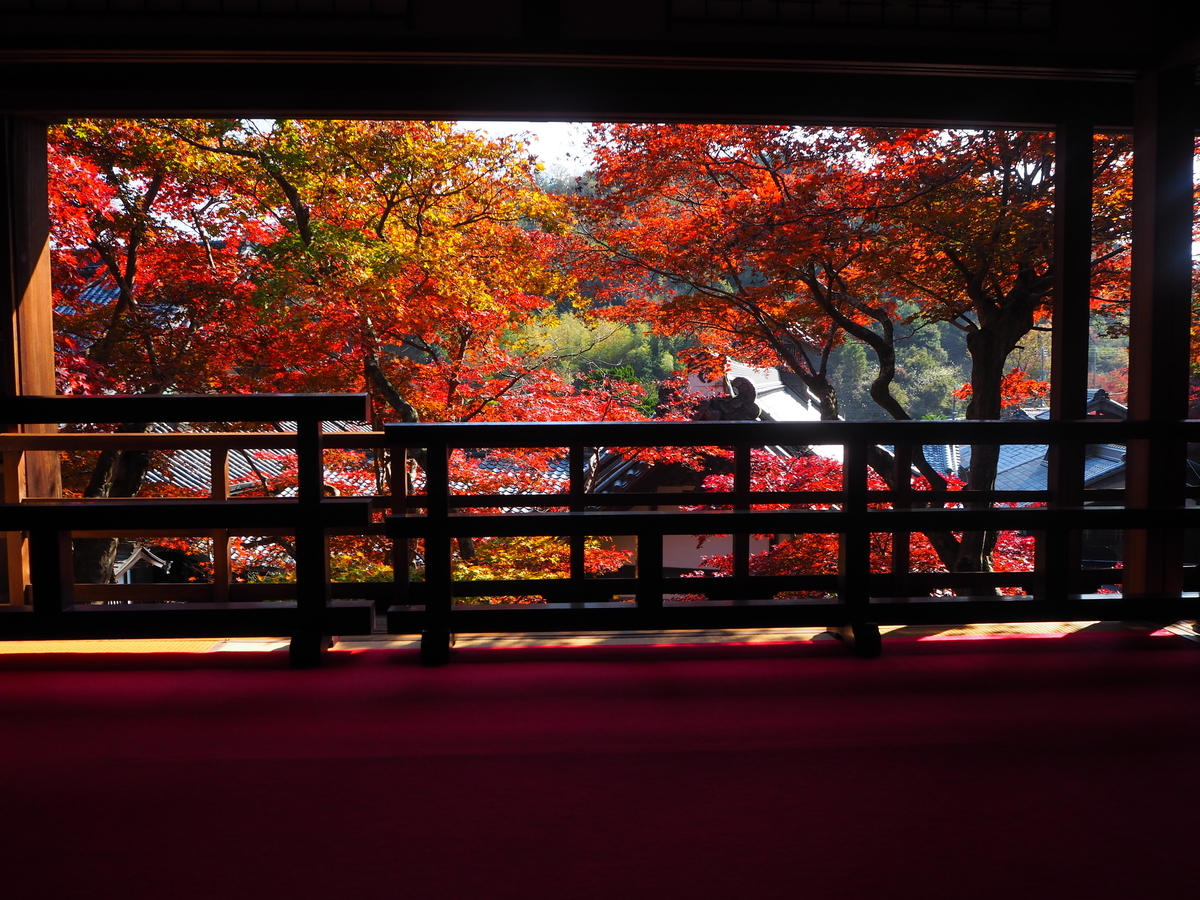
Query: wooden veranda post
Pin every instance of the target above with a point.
(27, 333)
(1160, 316)
(1060, 554)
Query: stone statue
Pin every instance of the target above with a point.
(739, 407)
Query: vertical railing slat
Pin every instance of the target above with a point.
(578, 545)
(51, 572)
(650, 577)
(439, 582)
(902, 540)
(398, 506)
(854, 563)
(218, 472)
(742, 496)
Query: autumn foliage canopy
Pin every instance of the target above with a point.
(405, 258)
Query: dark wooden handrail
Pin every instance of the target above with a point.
(179, 515)
(698, 434)
(185, 440)
(788, 521)
(61, 410)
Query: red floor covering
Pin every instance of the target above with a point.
(1019, 769)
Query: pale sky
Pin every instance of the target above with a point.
(554, 143)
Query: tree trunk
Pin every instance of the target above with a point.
(1001, 327)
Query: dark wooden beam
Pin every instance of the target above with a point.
(576, 59)
(191, 408)
(572, 90)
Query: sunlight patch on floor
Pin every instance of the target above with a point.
(163, 645)
(362, 643)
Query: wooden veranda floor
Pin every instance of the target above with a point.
(1002, 768)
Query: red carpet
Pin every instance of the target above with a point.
(990, 769)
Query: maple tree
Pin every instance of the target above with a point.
(407, 259)
(152, 280)
(774, 245)
(391, 257)
(152, 260)
(1017, 388)
(819, 552)
(401, 252)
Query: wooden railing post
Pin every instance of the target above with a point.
(854, 557)
(439, 576)
(218, 465)
(902, 540)
(218, 471)
(15, 563)
(742, 495)
(52, 572)
(575, 487)
(650, 577)
(401, 546)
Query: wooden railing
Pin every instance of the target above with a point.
(53, 606)
(855, 599)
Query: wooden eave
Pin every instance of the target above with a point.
(422, 67)
(428, 86)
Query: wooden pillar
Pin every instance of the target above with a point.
(312, 549)
(1160, 317)
(1060, 553)
(27, 332)
(1072, 269)
(854, 556)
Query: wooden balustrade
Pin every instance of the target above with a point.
(52, 606)
(855, 599)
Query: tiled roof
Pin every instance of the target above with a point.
(554, 477)
(1023, 467)
(1029, 475)
(943, 457)
(101, 291)
(247, 468)
(1097, 467)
